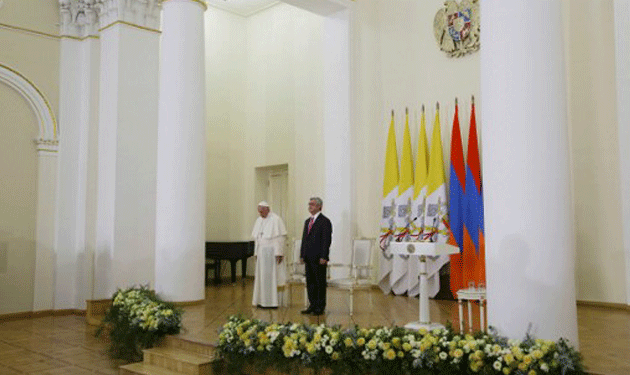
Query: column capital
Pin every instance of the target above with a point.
(78, 18)
(46, 147)
(142, 13)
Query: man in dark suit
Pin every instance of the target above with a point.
(316, 240)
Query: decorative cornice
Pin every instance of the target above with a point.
(79, 18)
(142, 13)
(200, 2)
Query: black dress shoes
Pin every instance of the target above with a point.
(307, 311)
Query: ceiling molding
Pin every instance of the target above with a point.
(242, 11)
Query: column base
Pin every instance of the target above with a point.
(416, 326)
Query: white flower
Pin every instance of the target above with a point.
(497, 365)
(544, 367)
(443, 355)
(329, 349)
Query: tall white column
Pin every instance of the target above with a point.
(44, 290)
(338, 170)
(127, 143)
(530, 254)
(77, 118)
(181, 215)
(622, 62)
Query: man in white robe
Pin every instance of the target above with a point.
(270, 235)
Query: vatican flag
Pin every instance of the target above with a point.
(435, 213)
(390, 193)
(402, 219)
(418, 203)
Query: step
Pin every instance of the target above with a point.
(179, 360)
(141, 368)
(190, 345)
(94, 320)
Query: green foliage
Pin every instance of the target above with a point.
(138, 320)
(385, 350)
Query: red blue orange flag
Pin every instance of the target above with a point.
(474, 245)
(456, 207)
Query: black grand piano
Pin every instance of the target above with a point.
(232, 251)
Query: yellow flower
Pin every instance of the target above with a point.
(531, 372)
(527, 359)
(406, 346)
(537, 354)
(386, 346)
(396, 342)
(506, 370)
(310, 348)
(260, 348)
(360, 341)
(390, 354)
(348, 342)
(401, 354)
(335, 356)
(509, 358)
(422, 331)
(457, 353)
(371, 344)
(522, 366)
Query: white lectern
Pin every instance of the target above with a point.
(423, 250)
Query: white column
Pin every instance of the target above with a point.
(77, 118)
(338, 170)
(127, 143)
(622, 62)
(530, 255)
(181, 214)
(44, 292)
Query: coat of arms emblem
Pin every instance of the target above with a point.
(456, 27)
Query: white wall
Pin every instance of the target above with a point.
(396, 63)
(600, 265)
(18, 200)
(264, 108)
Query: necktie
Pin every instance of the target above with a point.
(310, 225)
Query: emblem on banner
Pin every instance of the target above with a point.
(456, 27)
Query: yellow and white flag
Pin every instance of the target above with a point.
(436, 212)
(390, 192)
(399, 276)
(419, 201)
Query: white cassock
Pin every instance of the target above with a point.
(269, 234)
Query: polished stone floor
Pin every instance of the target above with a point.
(66, 345)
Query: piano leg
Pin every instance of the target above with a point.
(233, 265)
(243, 267)
(217, 272)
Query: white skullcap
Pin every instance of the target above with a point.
(263, 203)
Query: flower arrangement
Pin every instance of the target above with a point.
(383, 350)
(137, 320)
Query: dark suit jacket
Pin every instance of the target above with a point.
(316, 244)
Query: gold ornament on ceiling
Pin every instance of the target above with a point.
(456, 27)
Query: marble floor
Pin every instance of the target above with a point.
(66, 345)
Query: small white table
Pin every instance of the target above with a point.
(474, 294)
(422, 250)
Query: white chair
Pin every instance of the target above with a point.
(296, 273)
(471, 293)
(359, 274)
